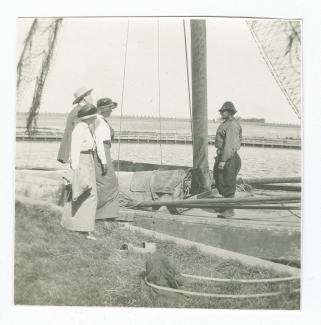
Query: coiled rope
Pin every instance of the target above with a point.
(218, 295)
(272, 280)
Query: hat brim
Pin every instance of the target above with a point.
(228, 110)
(110, 106)
(81, 97)
(86, 117)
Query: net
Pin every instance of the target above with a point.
(279, 42)
(34, 64)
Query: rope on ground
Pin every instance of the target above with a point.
(122, 95)
(272, 280)
(218, 295)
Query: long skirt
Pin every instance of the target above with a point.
(79, 215)
(107, 188)
(225, 180)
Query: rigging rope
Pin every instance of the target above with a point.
(188, 85)
(27, 44)
(279, 43)
(122, 96)
(32, 70)
(159, 100)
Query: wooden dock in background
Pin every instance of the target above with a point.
(165, 138)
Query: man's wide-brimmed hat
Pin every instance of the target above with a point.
(87, 111)
(106, 103)
(228, 106)
(80, 94)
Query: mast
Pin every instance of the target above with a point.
(200, 177)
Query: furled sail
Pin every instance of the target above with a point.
(34, 65)
(279, 42)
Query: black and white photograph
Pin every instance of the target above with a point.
(158, 162)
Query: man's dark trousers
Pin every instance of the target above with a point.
(225, 180)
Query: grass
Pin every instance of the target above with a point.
(56, 267)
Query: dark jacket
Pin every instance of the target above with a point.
(228, 138)
(64, 149)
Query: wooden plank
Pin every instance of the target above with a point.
(219, 252)
(280, 198)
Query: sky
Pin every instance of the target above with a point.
(90, 52)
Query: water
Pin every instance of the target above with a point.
(256, 162)
(169, 126)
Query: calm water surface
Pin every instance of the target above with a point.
(255, 161)
(262, 162)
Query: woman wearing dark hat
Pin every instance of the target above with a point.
(80, 209)
(227, 162)
(106, 180)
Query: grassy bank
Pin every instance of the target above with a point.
(56, 267)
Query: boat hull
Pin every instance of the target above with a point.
(272, 235)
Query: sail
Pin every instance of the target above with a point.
(279, 42)
(34, 65)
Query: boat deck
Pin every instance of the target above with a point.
(269, 234)
(273, 235)
(250, 218)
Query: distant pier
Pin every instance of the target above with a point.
(165, 138)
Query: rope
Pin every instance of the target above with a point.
(188, 85)
(294, 214)
(273, 280)
(218, 295)
(291, 211)
(26, 45)
(159, 100)
(122, 96)
(274, 74)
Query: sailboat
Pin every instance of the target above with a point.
(266, 225)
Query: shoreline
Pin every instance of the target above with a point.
(169, 119)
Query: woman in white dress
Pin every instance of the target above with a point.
(106, 180)
(80, 210)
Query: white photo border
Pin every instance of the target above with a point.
(309, 11)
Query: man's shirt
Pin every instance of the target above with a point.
(228, 138)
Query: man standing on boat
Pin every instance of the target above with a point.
(82, 97)
(227, 162)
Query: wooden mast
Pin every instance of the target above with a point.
(200, 179)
